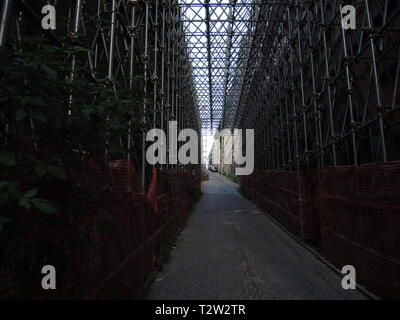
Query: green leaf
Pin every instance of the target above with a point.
(9, 186)
(36, 101)
(30, 193)
(3, 220)
(3, 197)
(77, 49)
(11, 89)
(20, 115)
(41, 169)
(117, 125)
(88, 111)
(24, 203)
(44, 206)
(147, 101)
(51, 73)
(109, 218)
(11, 245)
(56, 171)
(7, 158)
(38, 116)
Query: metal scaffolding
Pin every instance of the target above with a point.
(315, 94)
(135, 45)
(217, 33)
(320, 95)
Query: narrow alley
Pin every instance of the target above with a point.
(231, 250)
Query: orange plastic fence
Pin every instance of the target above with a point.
(107, 252)
(360, 223)
(353, 213)
(288, 197)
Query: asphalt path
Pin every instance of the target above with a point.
(230, 250)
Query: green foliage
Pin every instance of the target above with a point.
(46, 167)
(3, 220)
(231, 177)
(41, 105)
(204, 176)
(7, 158)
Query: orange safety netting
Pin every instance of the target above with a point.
(287, 196)
(352, 213)
(360, 223)
(114, 240)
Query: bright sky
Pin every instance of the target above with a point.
(207, 143)
(194, 15)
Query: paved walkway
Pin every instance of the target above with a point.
(230, 250)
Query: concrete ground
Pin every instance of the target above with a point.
(230, 250)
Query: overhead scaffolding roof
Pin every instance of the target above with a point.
(219, 35)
